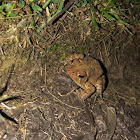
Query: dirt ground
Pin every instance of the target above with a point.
(43, 111)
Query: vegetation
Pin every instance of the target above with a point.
(105, 11)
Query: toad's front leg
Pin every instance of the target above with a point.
(89, 89)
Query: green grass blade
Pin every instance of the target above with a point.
(94, 21)
(46, 4)
(14, 15)
(118, 18)
(36, 8)
(110, 4)
(90, 3)
(21, 3)
(58, 10)
(129, 31)
(60, 6)
(107, 15)
(37, 35)
(41, 27)
(8, 14)
(84, 2)
(91, 17)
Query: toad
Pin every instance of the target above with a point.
(87, 73)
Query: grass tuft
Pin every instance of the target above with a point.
(36, 14)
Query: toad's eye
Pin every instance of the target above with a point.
(81, 76)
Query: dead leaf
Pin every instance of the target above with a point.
(111, 122)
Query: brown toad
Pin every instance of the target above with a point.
(87, 73)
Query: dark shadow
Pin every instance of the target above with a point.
(105, 73)
(7, 82)
(8, 117)
(11, 98)
(2, 90)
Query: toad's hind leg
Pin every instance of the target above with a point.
(100, 85)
